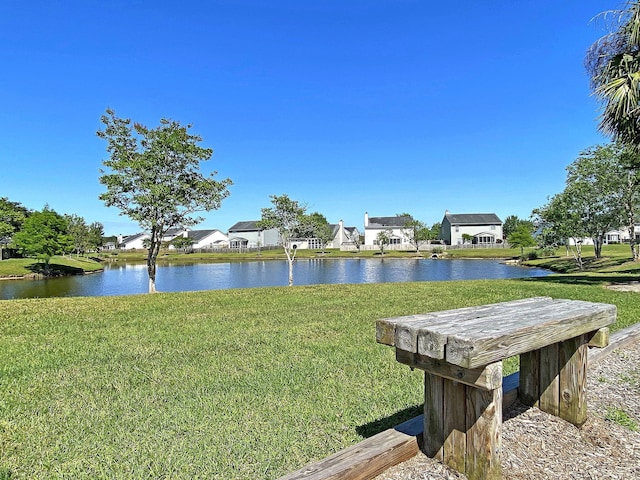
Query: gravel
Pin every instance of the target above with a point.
(536, 445)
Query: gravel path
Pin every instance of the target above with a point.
(536, 445)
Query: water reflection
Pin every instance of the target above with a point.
(124, 279)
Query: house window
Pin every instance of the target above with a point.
(394, 241)
(315, 243)
(457, 228)
(484, 239)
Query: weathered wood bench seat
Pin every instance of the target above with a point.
(461, 352)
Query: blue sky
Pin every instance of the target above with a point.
(349, 106)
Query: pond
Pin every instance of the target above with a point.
(126, 279)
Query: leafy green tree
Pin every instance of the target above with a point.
(593, 201)
(512, 223)
(43, 235)
(434, 231)
(154, 178)
(95, 234)
(595, 182)
(318, 227)
(290, 219)
(12, 215)
(383, 239)
(182, 243)
(560, 223)
(629, 165)
(78, 231)
(613, 63)
(521, 238)
(414, 231)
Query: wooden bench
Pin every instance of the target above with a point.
(461, 352)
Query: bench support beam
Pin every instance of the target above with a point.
(553, 378)
(462, 426)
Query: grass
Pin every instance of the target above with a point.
(221, 384)
(622, 418)
(69, 265)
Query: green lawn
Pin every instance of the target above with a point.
(64, 264)
(230, 384)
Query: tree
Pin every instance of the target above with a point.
(318, 227)
(521, 238)
(383, 239)
(94, 236)
(434, 231)
(43, 235)
(182, 243)
(560, 223)
(78, 231)
(290, 219)
(613, 63)
(415, 231)
(512, 223)
(630, 194)
(595, 181)
(12, 215)
(154, 178)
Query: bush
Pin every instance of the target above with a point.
(532, 255)
(437, 250)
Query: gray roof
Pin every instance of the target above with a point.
(132, 238)
(473, 219)
(172, 232)
(247, 226)
(197, 235)
(395, 221)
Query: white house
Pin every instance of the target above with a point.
(132, 242)
(394, 225)
(206, 239)
(344, 237)
(247, 234)
(481, 228)
(620, 235)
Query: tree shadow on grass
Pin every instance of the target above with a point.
(398, 419)
(590, 279)
(54, 270)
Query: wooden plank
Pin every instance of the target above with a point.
(433, 437)
(549, 381)
(484, 426)
(530, 378)
(386, 327)
(433, 338)
(573, 380)
(599, 338)
(432, 334)
(363, 461)
(617, 339)
(474, 347)
(487, 377)
(455, 428)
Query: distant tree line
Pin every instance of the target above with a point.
(602, 193)
(43, 234)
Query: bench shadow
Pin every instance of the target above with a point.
(398, 420)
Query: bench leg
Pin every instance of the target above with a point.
(554, 379)
(463, 427)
